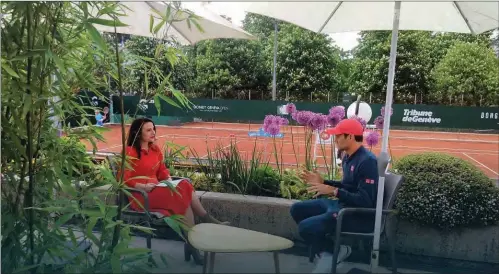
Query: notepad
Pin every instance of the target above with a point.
(168, 183)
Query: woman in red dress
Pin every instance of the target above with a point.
(147, 169)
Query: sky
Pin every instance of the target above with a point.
(235, 10)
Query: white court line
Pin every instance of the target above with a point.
(300, 137)
(107, 148)
(259, 125)
(391, 130)
(393, 137)
(266, 141)
(223, 148)
(478, 162)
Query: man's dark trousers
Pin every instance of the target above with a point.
(316, 218)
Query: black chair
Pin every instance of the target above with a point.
(145, 218)
(392, 186)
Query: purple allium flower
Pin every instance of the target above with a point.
(379, 121)
(319, 122)
(290, 108)
(269, 119)
(338, 111)
(362, 121)
(383, 111)
(272, 129)
(283, 121)
(273, 119)
(304, 117)
(333, 120)
(372, 138)
(293, 115)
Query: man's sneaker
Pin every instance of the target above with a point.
(325, 261)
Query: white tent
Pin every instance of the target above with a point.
(138, 16)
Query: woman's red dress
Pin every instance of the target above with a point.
(161, 199)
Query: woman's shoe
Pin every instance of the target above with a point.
(190, 251)
(210, 219)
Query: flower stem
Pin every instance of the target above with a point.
(276, 157)
(294, 149)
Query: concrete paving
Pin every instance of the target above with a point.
(243, 262)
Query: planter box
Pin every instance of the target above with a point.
(478, 244)
(271, 215)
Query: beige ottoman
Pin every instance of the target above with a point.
(213, 238)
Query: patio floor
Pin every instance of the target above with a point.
(248, 262)
(294, 261)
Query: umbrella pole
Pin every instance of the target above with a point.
(274, 92)
(384, 146)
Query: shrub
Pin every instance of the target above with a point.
(292, 186)
(202, 182)
(265, 182)
(445, 192)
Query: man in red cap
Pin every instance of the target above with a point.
(316, 218)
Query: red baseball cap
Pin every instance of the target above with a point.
(346, 126)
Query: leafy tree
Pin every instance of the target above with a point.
(469, 70)
(307, 63)
(229, 68)
(417, 53)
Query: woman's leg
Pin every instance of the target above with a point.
(189, 217)
(196, 206)
(200, 211)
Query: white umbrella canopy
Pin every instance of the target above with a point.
(138, 16)
(344, 16)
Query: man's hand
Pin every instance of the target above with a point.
(311, 178)
(322, 189)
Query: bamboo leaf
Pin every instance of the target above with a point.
(58, 62)
(168, 12)
(169, 100)
(92, 213)
(64, 219)
(151, 23)
(115, 264)
(89, 231)
(174, 224)
(198, 26)
(131, 251)
(9, 70)
(157, 104)
(26, 104)
(163, 258)
(159, 26)
(26, 268)
(96, 37)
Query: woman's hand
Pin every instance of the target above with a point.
(149, 187)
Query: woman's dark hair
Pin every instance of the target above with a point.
(134, 133)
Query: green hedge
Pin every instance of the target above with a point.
(445, 192)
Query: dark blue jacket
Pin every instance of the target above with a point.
(359, 186)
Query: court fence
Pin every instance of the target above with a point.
(218, 110)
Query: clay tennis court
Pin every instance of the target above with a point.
(482, 150)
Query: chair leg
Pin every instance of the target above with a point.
(336, 252)
(391, 245)
(149, 243)
(276, 262)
